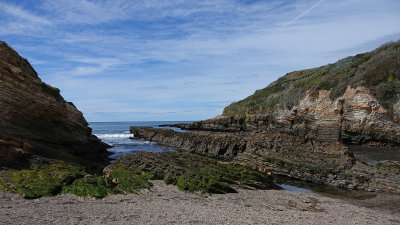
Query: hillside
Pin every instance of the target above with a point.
(355, 100)
(378, 71)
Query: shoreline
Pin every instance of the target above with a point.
(165, 204)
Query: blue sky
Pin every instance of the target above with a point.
(185, 60)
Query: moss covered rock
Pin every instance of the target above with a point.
(40, 181)
(191, 172)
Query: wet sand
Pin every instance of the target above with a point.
(167, 205)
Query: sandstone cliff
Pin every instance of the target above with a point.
(355, 100)
(37, 123)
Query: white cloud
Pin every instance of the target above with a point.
(303, 13)
(17, 20)
(22, 14)
(179, 56)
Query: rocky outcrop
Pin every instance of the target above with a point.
(282, 154)
(355, 100)
(192, 172)
(354, 118)
(35, 120)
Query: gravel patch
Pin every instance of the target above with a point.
(165, 204)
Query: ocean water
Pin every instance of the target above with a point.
(117, 134)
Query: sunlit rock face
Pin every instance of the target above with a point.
(356, 117)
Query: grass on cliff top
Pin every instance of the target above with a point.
(378, 70)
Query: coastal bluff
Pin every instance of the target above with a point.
(37, 124)
(301, 125)
(355, 100)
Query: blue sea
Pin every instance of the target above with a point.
(117, 134)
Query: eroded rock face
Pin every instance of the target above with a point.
(356, 118)
(283, 154)
(35, 116)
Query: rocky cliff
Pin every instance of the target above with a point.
(36, 123)
(283, 154)
(355, 100)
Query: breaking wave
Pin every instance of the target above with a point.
(113, 136)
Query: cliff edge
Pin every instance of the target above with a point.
(37, 124)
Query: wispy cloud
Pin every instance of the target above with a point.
(303, 13)
(19, 20)
(23, 14)
(186, 57)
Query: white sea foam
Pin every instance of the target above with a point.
(113, 136)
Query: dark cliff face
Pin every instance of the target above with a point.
(36, 120)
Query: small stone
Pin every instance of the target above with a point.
(87, 176)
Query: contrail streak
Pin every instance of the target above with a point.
(303, 13)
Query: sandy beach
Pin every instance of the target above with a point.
(167, 205)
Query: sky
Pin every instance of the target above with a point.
(184, 60)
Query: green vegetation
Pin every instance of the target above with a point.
(246, 120)
(96, 187)
(191, 172)
(40, 181)
(51, 90)
(378, 70)
(59, 177)
(119, 182)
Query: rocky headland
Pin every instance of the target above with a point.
(354, 101)
(300, 125)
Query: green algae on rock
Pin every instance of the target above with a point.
(46, 180)
(191, 172)
(128, 174)
(120, 181)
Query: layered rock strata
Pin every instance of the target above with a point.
(35, 120)
(283, 154)
(354, 118)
